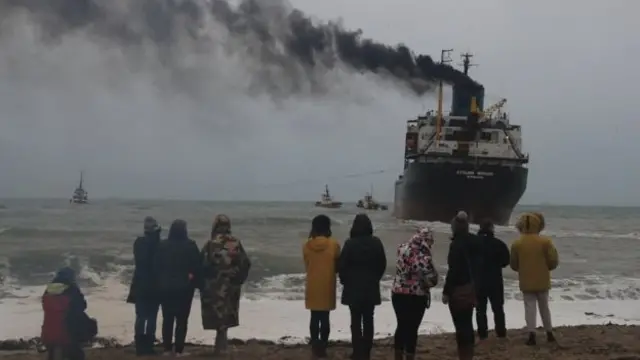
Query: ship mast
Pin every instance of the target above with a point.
(466, 62)
(80, 186)
(444, 59)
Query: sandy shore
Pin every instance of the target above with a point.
(588, 342)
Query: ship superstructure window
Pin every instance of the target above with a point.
(458, 135)
(486, 136)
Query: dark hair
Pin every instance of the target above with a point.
(486, 227)
(178, 230)
(361, 226)
(320, 226)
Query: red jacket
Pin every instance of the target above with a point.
(58, 302)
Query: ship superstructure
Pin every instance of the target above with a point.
(470, 159)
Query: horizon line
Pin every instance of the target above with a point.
(108, 198)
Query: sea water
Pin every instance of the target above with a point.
(598, 280)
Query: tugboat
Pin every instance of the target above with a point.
(368, 202)
(80, 195)
(469, 160)
(327, 200)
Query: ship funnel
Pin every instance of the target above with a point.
(467, 99)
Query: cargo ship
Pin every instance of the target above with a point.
(470, 159)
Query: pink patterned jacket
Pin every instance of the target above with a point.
(415, 272)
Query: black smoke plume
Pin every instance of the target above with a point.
(283, 41)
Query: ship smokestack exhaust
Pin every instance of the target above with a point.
(276, 35)
(463, 97)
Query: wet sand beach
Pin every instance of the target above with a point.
(588, 342)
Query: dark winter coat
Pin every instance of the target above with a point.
(361, 266)
(177, 262)
(464, 261)
(143, 283)
(495, 257)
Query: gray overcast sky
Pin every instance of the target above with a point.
(568, 69)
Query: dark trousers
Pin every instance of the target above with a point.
(361, 328)
(409, 311)
(463, 323)
(176, 308)
(494, 296)
(70, 352)
(146, 319)
(319, 326)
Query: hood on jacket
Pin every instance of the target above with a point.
(530, 223)
(221, 226)
(56, 288)
(318, 243)
(178, 230)
(422, 240)
(541, 217)
(361, 227)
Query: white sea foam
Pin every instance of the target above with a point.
(274, 318)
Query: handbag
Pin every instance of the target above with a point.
(463, 297)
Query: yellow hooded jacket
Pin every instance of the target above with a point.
(320, 260)
(533, 256)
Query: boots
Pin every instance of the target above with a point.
(220, 345)
(465, 352)
(531, 341)
(149, 343)
(319, 349)
(410, 356)
(550, 337)
(322, 349)
(314, 349)
(398, 355)
(139, 343)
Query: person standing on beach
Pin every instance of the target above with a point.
(534, 257)
(225, 267)
(491, 286)
(177, 270)
(411, 292)
(63, 328)
(142, 291)
(361, 266)
(461, 282)
(320, 253)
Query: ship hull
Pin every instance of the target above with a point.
(334, 205)
(437, 191)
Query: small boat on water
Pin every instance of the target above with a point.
(369, 203)
(80, 195)
(327, 200)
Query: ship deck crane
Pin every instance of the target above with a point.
(489, 111)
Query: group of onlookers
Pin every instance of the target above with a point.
(167, 273)
(473, 280)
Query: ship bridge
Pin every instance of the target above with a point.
(488, 135)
